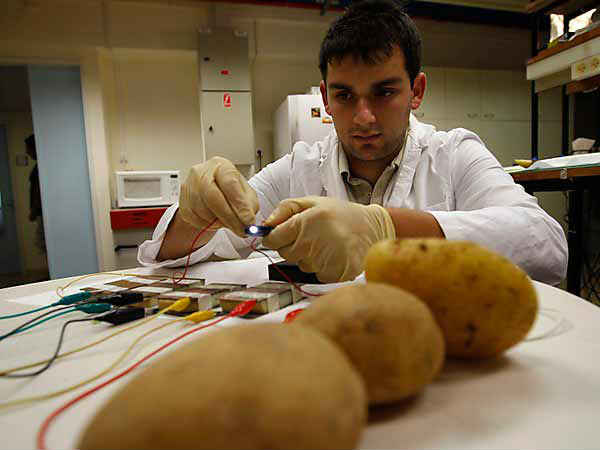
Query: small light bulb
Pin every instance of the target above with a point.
(253, 229)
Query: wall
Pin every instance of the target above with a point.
(156, 115)
(15, 114)
(140, 73)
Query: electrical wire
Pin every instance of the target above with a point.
(187, 262)
(32, 323)
(58, 346)
(239, 310)
(179, 305)
(90, 345)
(70, 304)
(60, 290)
(12, 316)
(281, 272)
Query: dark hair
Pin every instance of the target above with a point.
(370, 30)
(30, 141)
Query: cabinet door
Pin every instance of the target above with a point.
(507, 140)
(550, 104)
(505, 95)
(468, 124)
(223, 61)
(434, 103)
(549, 139)
(463, 98)
(227, 126)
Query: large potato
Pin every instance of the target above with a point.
(482, 301)
(250, 387)
(389, 334)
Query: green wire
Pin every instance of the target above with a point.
(45, 320)
(27, 312)
(19, 330)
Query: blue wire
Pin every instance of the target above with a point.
(28, 312)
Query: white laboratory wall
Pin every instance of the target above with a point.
(140, 57)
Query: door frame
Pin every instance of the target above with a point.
(96, 138)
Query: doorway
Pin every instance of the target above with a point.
(43, 104)
(21, 261)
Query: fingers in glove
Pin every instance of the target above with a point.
(284, 235)
(193, 211)
(288, 208)
(239, 195)
(216, 202)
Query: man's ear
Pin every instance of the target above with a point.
(418, 90)
(323, 88)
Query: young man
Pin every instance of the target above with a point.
(382, 174)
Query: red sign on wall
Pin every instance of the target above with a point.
(227, 100)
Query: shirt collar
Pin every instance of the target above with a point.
(344, 167)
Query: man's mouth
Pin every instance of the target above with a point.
(366, 138)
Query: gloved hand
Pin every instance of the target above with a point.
(327, 236)
(216, 189)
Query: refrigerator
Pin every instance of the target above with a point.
(300, 118)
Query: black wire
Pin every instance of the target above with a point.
(16, 330)
(58, 346)
(40, 316)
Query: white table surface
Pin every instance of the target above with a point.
(544, 393)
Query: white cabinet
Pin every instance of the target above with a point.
(549, 139)
(227, 126)
(223, 60)
(550, 104)
(496, 105)
(507, 139)
(434, 103)
(487, 95)
(463, 97)
(505, 95)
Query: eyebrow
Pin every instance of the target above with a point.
(387, 81)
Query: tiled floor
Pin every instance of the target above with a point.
(16, 279)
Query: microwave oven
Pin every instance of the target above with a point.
(147, 188)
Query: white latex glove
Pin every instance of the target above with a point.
(327, 236)
(216, 189)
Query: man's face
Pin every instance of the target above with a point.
(370, 104)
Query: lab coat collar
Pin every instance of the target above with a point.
(400, 185)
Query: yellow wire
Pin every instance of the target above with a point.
(59, 290)
(99, 341)
(38, 398)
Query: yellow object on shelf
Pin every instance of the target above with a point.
(524, 162)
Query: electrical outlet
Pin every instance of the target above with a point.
(586, 68)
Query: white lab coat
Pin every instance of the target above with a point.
(449, 174)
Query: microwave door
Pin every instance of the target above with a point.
(142, 191)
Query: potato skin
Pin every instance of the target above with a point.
(249, 387)
(483, 303)
(390, 336)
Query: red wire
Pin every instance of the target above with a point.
(240, 310)
(187, 262)
(283, 274)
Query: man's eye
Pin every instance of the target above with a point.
(344, 96)
(386, 92)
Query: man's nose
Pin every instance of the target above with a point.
(363, 114)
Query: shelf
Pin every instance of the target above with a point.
(587, 84)
(562, 46)
(559, 6)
